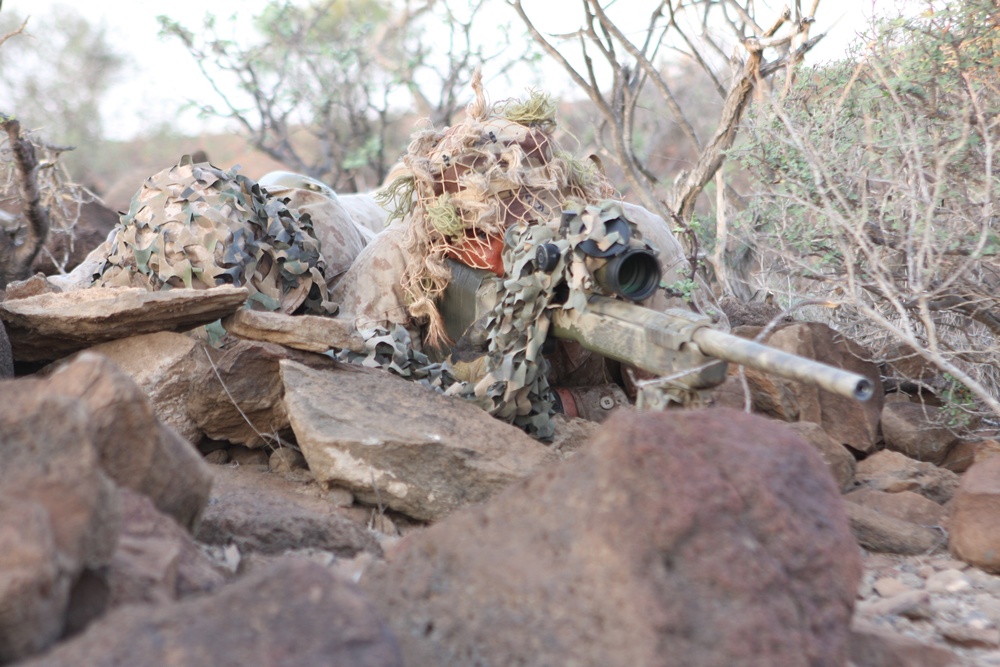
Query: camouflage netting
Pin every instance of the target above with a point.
(510, 379)
(461, 188)
(194, 225)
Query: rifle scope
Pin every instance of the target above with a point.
(633, 274)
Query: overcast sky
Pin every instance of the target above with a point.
(162, 75)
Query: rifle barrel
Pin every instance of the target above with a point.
(673, 340)
(749, 353)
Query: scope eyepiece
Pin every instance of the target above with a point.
(633, 274)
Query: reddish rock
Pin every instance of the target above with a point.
(260, 512)
(292, 613)
(136, 450)
(157, 559)
(58, 512)
(917, 431)
(895, 472)
(240, 399)
(709, 538)
(964, 453)
(904, 505)
(838, 459)
(974, 529)
(34, 585)
(847, 421)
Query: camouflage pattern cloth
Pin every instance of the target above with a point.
(197, 226)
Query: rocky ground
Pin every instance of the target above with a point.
(263, 504)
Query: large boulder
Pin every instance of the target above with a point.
(974, 529)
(917, 430)
(292, 613)
(59, 512)
(397, 444)
(163, 364)
(709, 538)
(136, 450)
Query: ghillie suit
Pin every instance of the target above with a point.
(462, 188)
(485, 193)
(194, 225)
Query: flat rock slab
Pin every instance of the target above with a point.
(395, 443)
(54, 325)
(310, 333)
(260, 512)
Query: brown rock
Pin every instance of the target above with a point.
(33, 286)
(55, 462)
(310, 333)
(894, 472)
(964, 453)
(974, 528)
(880, 532)
(157, 559)
(54, 325)
(847, 421)
(916, 431)
(58, 512)
(239, 397)
(156, 562)
(292, 613)
(838, 459)
(904, 505)
(163, 364)
(712, 537)
(135, 449)
(875, 647)
(34, 585)
(6, 356)
(396, 443)
(261, 513)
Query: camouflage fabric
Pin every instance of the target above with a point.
(194, 225)
(510, 381)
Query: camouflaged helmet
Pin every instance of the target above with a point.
(197, 226)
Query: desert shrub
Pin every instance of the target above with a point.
(876, 191)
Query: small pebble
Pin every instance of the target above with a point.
(948, 581)
(889, 587)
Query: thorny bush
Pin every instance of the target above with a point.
(877, 192)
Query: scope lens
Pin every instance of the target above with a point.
(633, 275)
